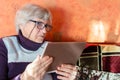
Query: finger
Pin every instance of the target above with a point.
(41, 65)
(42, 74)
(72, 67)
(67, 68)
(35, 64)
(64, 69)
(44, 65)
(73, 75)
(62, 78)
(47, 62)
(37, 59)
(44, 58)
(68, 71)
(65, 74)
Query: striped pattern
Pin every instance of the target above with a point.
(19, 57)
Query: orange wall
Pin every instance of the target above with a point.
(73, 20)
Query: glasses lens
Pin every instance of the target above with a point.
(48, 27)
(40, 25)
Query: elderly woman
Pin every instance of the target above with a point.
(20, 54)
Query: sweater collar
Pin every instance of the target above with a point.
(28, 44)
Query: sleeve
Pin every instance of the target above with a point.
(3, 61)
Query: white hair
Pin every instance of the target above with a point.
(31, 11)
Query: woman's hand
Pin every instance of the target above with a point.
(66, 72)
(36, 69)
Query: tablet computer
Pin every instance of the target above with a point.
(64, 53)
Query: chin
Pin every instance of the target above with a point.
(39, 40)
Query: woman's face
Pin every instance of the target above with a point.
(35, 30)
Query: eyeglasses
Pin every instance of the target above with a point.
(41, 25)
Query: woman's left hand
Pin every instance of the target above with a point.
(66, 72)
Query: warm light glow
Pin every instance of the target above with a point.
(96, 32)
(117, 27)
(117, 30)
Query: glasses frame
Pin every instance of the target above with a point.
(41, 25)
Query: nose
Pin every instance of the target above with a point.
(44, 30)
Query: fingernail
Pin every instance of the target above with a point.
(58, 68)
(51, 59)
(62, 65)
(47, 57)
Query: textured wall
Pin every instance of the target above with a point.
(73, 20)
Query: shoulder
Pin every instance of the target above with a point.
(3, 48)
(8, 39)
(1, 43)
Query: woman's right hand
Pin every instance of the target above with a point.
(36, 69)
